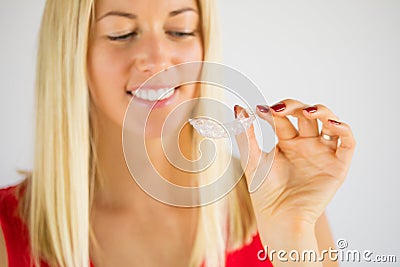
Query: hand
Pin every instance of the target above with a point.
(306, 169)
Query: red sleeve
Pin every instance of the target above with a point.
(248, 255)
(14, 230)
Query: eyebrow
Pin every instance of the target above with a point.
(118, 13)
(179, 11)
(133, 16)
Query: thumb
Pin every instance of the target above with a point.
(250, 152)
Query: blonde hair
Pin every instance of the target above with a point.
(57, 200)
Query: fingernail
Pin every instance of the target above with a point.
(278, 107)
(311, 109)
(263, 108)
(334, 122)
(236, 110)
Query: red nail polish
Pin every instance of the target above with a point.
(334, 122)
(278, 107)
(263, 108)
(311, 109)
(236, 110)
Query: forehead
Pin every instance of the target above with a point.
(142, 8)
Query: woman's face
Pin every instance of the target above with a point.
(133, 39)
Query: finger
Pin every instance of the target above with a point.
(263, 111)
(285, 130)
(308, 127)
(347, 142)
(249, 149)
(256, 172)
(321, 111)
(324, 114)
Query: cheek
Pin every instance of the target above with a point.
(106, 81)
(193, 52)
(105, 69)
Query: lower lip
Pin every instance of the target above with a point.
(156, 103)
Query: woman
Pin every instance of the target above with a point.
(91, 56)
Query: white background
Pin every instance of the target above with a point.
(344, 54)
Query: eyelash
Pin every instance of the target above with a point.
(180, 34)
(121, 37)
(125, 37)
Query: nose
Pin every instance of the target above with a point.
(151, 54)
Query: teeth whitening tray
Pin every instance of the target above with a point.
(210, 128)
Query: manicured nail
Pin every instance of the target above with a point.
(334, 122)
(311, 109)
(263, 108)
(236, 110)
(279, 107)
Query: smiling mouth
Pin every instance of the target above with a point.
(148, 94)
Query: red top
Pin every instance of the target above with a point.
(16, 238)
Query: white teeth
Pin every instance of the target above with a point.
(153, 95)
(141, 94)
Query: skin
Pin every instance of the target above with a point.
(139, 223)
(131, 227)
(154, 45)
(305, 174)
(128, 224)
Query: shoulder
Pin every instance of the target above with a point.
(9, 206)
(8, 191)
(14, 231)
(4, 191)
(9, 200)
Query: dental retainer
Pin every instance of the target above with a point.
(210, 128)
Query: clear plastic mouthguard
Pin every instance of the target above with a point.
(211, 128)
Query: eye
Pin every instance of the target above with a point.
(180, 34)
(122, 37)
